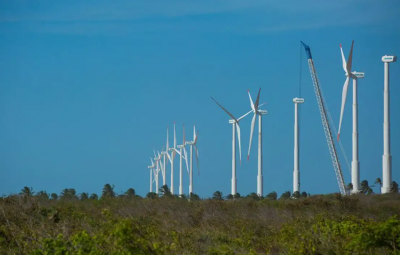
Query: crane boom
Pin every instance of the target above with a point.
(325, 123)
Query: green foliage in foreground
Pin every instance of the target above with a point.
(128, 224)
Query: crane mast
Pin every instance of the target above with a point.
(325, 123)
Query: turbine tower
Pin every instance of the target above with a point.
(235, 126)
(151, 174)
(387, 158)
(258, 112)
(355, 164)
(180, 152)
(296, 170)
(191, 144)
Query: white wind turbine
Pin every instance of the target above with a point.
(355, 164)
(183, 155)
(235, 126)
(165, 154)
(191, 144)
(258, 112)
(171, 158)
(158, 163)
(296, 170)
(386, 158)
(151, 174)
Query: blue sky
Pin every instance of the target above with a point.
(87, 89)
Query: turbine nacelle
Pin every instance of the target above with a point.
(357, 75)
(388, 59)
(297, 100)
(262, 112)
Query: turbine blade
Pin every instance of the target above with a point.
(258, 100)
(251, 101)
(187, 165)
(244, 116)
(240, 148)
(233, 117)
(173, 152)
(176, 151)
(343, 60)
(344, 95)
(155, 156)
(169, 158)
(162, 169)
(184, 139)
(167, 145)
(350, 60)
(195, 140)
(262, 104)
(152, 163)
(251, 134)
(197, 159)
(194, 133)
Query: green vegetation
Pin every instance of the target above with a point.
(38, 223)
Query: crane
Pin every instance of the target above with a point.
(325, 122)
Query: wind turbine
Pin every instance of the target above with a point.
(258, 112)
(182, 147)
(151, 174)
(164, 153)
(355, 164)
(157, 160)
(235, 126)
(191, 144)
(386, 158)
(171, 158)
(296, 170)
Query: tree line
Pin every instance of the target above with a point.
(164, 191)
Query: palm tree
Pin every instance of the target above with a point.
(296, 195)
(27, 191)
(94, 196)
(152, 195)
(254, 196)
(349, 187)
(42, 195)
(304, 194)
(394, 187)
(194, 197)
(108, 191)
(130, 193)
(229, 197)
(365, 188)
(217, 195)
(68, 194)
(54, 196)
(272, 196)
(164, 190)
(378, 181)
(285, 195)
(84, 196)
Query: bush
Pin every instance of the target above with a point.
(330, 224)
